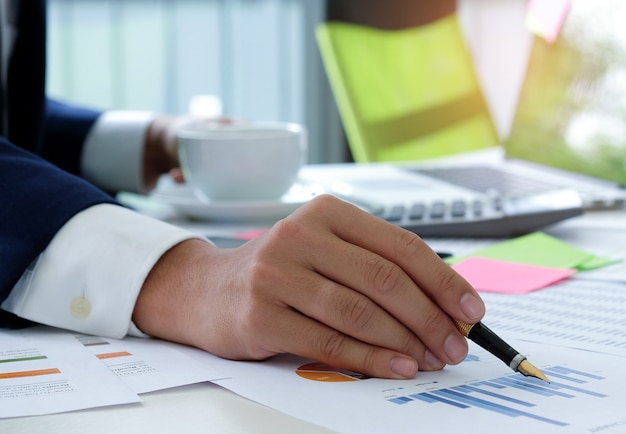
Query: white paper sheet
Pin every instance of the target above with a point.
(587, 394)
(146, 365)
(46, 371)
(577, 313)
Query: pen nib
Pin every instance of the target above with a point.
(528, 369)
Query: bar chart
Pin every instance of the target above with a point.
(511, 395)
(480, 394)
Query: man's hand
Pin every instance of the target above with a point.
(160, 150)
(330, 282)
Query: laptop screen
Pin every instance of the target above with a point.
(571, 112)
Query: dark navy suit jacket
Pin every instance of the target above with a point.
(39, 156)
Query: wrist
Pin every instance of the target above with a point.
(166, 301)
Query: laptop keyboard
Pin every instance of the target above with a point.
(488, 179)
(501, 183)
(430, 210)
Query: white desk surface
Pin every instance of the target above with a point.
(207, 408)
(198, 408)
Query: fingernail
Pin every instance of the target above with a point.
(455, 347)
(404, 367)
(433, 363)
(472, 306)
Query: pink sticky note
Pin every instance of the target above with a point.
(546, 17)
(491, 275)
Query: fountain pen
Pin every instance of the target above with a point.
(483, 336)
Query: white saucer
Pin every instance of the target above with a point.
(184, 201)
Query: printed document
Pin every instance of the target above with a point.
(43, 371)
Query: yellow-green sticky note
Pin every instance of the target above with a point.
(540, 249)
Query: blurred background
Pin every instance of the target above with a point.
(258, 57)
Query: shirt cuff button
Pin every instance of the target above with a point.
(80, 307)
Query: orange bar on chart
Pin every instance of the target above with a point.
(113, 355)
(34, 373)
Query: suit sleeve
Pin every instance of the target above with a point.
(88, 277)
(37, 199)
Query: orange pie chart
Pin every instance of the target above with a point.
(317, 371)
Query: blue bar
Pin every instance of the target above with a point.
(530, 387)
(490, 384)
(507, 411)
(551, 386)
(480, 403)
(577, 389)
(467, 388)
(400, 400)
(564, 370)
(428, 397)
(554, 374)
(425, 397)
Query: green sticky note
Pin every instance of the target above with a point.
(596, 262)
(540, 249)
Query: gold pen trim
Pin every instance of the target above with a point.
(496, 346)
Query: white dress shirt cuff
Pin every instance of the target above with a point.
(113, 150)
(90, 275)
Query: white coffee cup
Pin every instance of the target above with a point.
(241, 161)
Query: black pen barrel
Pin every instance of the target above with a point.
(483, 336)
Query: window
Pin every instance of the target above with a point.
(258, 56)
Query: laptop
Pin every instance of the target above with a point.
(569, 128)
(566, 152)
